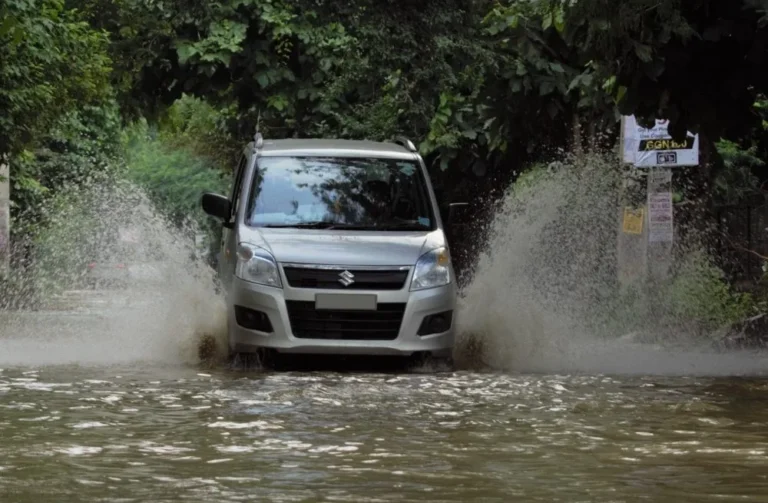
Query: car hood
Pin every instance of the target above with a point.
(350, 248)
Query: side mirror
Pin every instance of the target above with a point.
(217, 206)
(456, 211)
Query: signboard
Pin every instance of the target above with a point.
(660, 180)
(633, 221)
(660, 216)
(649, 148)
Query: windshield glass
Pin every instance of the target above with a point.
(340, 192)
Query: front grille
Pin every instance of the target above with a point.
(310, 323)
(334, 279)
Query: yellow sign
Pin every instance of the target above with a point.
(633, 221)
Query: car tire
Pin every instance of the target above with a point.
(427, 362)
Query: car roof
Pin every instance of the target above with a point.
(334, 147)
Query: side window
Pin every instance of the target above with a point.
(238, 183)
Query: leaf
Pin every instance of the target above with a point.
(575, 83)
(622, 91)
(560, 20)
(8, 23)
(263, 80)
(547, 22)
(609, 83)
(223, 57)
(185, 52)
(557, 67)
(479, 168)
(644, 52)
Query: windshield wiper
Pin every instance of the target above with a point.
(320, 224)
(405, 226)
(402, 226)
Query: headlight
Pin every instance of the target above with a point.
(257, 265)
(432, 270)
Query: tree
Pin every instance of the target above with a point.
(53, 63)
(698, 63)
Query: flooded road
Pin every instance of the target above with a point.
(106, 401)
(103, 398)
(176, 433)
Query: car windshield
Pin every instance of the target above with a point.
(340, 193)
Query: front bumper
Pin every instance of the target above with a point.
(272, 302)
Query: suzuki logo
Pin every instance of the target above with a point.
(346, 278)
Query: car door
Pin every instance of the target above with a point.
(228, 259)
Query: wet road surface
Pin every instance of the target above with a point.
(176, 433)
(81, 420)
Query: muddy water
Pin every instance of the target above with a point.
(160, 433)
(104, 402)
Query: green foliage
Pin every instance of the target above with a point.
(59, 126)
(174, 178)
(481, 87)
(52, 64)
(700, 292)
(194, 125)
(737, 181)
(79, 147)
(77, 230)
(353, 69)
(544, 58)
(697, 63)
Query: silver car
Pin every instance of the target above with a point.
(335, 247)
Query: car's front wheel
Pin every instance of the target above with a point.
(262, 359)
(427, 362)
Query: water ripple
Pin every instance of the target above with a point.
(164, 434)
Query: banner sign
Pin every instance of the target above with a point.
(660, 218)
(649, 148)
(633, 221)
(660, 209)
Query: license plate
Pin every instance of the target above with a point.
(325, 301)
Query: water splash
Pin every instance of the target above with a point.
(543, 296)
(138, 289)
